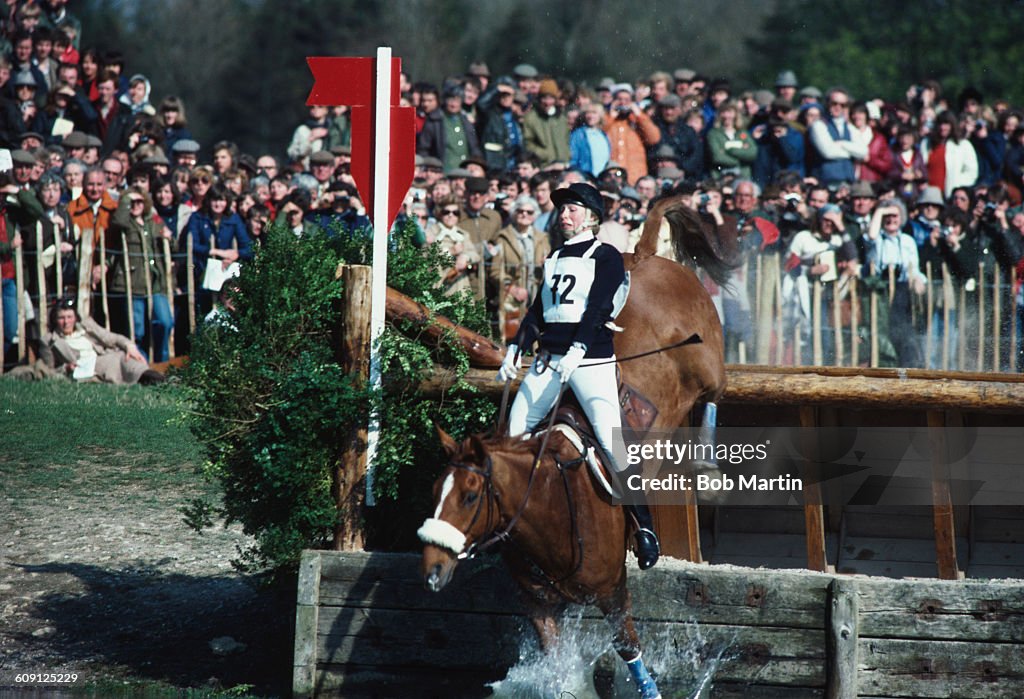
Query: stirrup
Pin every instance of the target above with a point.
(647, 548)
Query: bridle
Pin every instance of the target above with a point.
(500, 533)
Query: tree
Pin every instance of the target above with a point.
(878, 49)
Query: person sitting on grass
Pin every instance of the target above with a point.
(83, 350)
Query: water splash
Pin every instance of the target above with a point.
(681, 659)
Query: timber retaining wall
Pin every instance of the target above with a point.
(366, 627)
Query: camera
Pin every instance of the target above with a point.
(622, 110)
(989, 214)
(419, 194)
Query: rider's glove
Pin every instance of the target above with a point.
(510, 364)
(571, 361)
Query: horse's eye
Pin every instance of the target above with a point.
(471, 497)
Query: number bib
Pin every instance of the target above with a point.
(567, 283)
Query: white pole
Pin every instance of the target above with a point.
(381, 228)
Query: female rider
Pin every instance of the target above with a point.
(571, 314)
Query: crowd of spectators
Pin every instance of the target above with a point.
(835, 188)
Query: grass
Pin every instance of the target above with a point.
(51, 430)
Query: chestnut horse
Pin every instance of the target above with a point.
(564, 540)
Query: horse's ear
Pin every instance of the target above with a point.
(449, 445)
(479, 450)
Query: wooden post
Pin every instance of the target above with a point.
(307, 619)
(816, 324)
(103, 278)
(814, 519)
(892, 284)
(947, 302)
(19, 274)
(41, 282)
(58, 265)
(961, 341)
(997, 308)
(837, 323)
(929, 310)
(780, 341)
(798, 350)
(874, 326)
(842, 638)
(854, 324)
(128, 289)
(1013, 320)
(148, 320)
(190, 275)
(349, 482)
(981, 318)
(85, 250)
(169, 287)
(481, 274)
(942, 503)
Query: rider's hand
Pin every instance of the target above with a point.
(510, 364)
(570, 362)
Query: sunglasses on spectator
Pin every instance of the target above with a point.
(112, 173)
(133, 202)
(204, 180)
(450, 212)
(528, 212)
(834, 103)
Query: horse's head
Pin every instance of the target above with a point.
(465, 509)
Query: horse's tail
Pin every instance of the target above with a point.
(693, 240)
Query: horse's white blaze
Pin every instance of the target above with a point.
(438, 532)
(446, 487)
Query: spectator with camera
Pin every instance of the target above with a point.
(630, 131)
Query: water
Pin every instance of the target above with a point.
(682, 661)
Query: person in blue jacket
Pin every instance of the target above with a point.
(218, 237)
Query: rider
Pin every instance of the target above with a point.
(572, 315)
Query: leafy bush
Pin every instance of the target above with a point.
(272, 407)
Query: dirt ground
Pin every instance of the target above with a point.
(113, 586)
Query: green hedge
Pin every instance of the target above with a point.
(269, 402)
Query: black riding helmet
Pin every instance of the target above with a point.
(580, 193)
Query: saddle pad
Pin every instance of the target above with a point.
(638, 413)
(595, 465)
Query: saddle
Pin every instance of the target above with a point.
(638, 415)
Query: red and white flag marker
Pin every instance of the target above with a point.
(383, 160)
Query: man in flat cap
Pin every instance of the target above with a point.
(185, 152)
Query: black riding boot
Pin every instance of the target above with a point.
(647, 547)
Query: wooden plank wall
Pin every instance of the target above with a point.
(366, 627)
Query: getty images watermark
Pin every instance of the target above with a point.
(884, 466)
(706, 477)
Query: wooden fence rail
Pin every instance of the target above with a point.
(366, 627)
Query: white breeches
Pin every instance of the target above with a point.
(595, 387)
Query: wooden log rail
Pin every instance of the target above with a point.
(874, 389)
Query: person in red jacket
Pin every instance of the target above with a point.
(864, 129)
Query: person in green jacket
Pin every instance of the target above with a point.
(134, 228)
(545, 130)
(732, 150)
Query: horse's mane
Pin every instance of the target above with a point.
(504, 444)
(694, 242)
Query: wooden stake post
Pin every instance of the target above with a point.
(348, 484)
